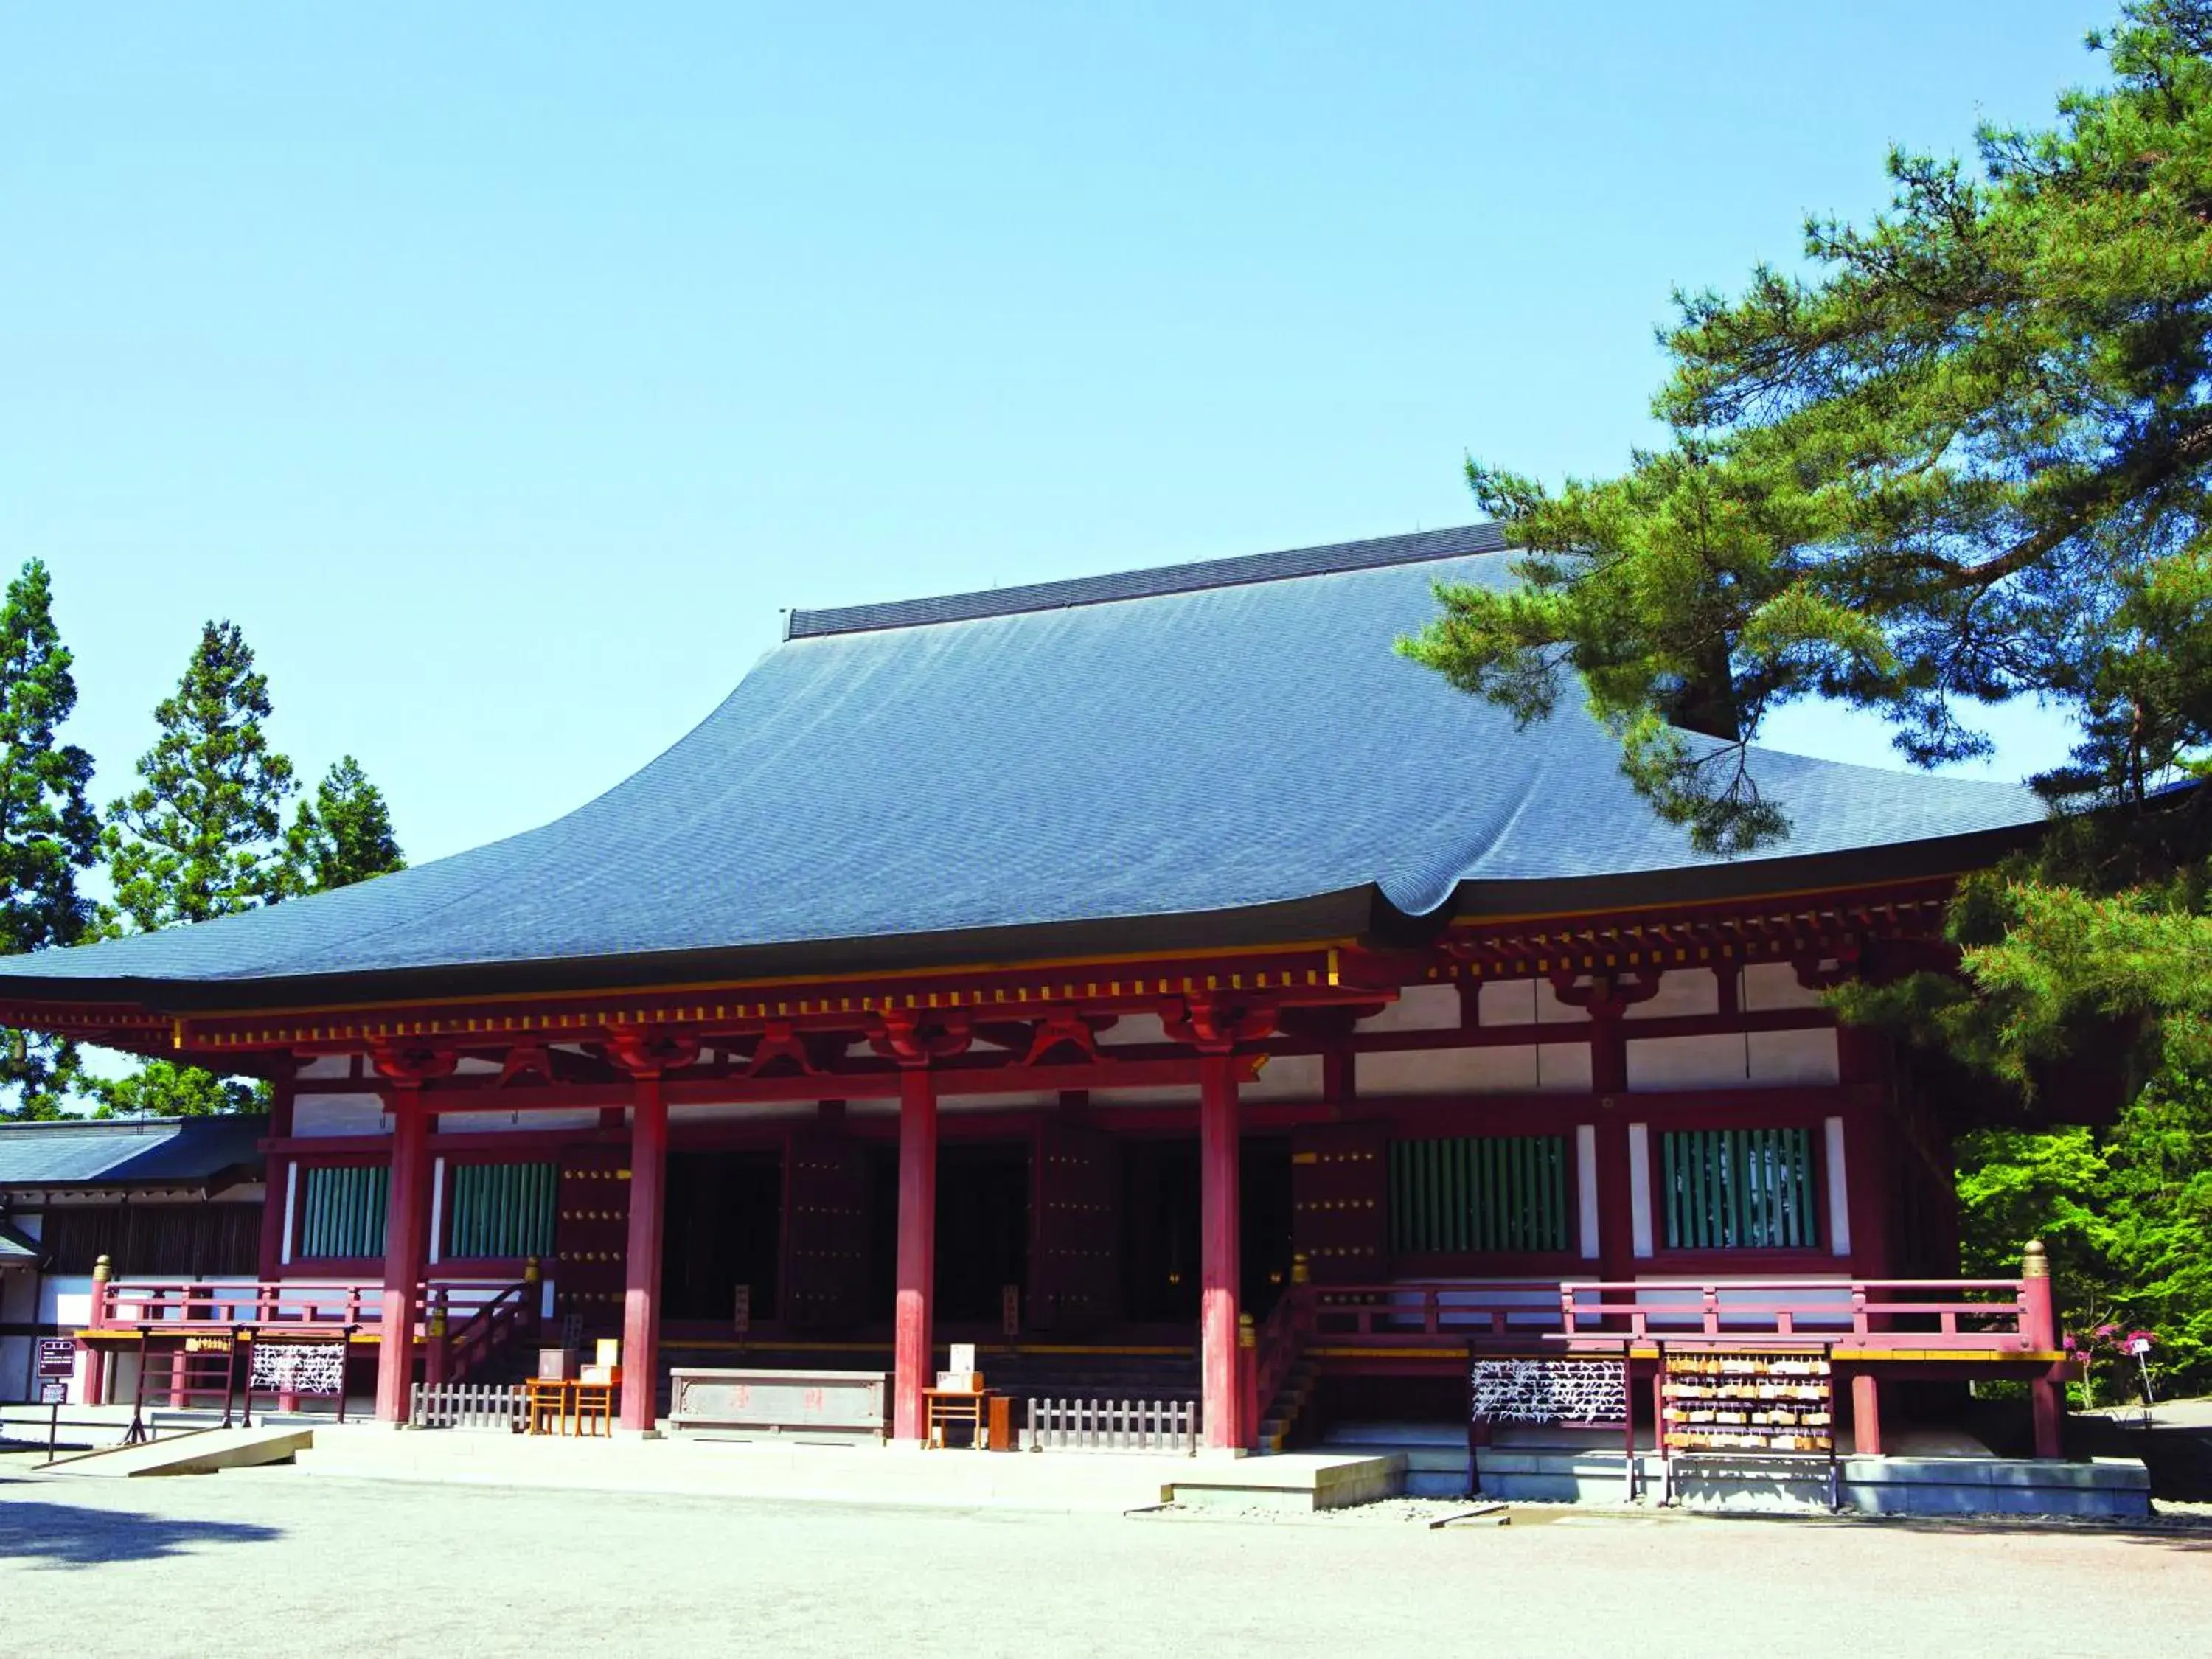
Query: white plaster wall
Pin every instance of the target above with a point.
(1029, 1100)
(1418, 1008)
(741, 1111)
(1550, 1010)
(1133, 1028)
(1551, 1067)
(1771, 984)
(1459, 1311)
(1174, 1094)
(1683, 992)
(327, 1066)
(1794, 1057)
(1690, 1062)
(1508, 1002)
(579, 1117)
(1287, 1077)
(1815, 1298)
(338, 1114)
(19, 1305)
(65, 1300)
(1526, 1002)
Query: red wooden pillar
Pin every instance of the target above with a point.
(95, 1358)
(2038, 1326)
(1222, 1401)
(1868, 1172)
(917, 1252)
(1866, 1416)
(406, 1238)
(1616, 1238)
(276, 1179)
(648, 1173)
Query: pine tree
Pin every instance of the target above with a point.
(48, 831)
(1966, 457)
(343, 835)
(202, 834)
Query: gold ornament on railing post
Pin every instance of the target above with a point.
(1300, 1274)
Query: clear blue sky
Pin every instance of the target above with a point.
(504, 369)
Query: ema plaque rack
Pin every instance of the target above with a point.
(1547, 1390)
(1775, 1404)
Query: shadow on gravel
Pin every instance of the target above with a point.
(61, 1535)
(2187, 1536)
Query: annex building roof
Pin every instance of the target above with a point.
(1221, 752)
(167, 1152)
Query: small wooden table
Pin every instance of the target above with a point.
(565, 1406)
(989, 1416)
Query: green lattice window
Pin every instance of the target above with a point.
(501, 1209)
(342, 1210)
(1739, 1189)
(1480, 1193)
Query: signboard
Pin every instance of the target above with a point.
(51, 1392)
(56, 1359)
(745, 1310)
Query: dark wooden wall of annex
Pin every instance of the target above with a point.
(155, 1240)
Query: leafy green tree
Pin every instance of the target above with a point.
(1963, 456)
(203, 834)
(48, 830)
(162, 1088)
(343, 835)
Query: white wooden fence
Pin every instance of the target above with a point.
(466, 1406)
(1111, 1425)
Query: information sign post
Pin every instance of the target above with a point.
(56, 1365)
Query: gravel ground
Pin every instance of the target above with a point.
(276, 1562)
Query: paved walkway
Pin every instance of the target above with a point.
(272, 1562)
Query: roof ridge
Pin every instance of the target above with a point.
(1412, 548)
(104, 1125)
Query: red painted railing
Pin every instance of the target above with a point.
(1961, 1314)
(187, 1304)
(1275, 1348)
(509, 1317)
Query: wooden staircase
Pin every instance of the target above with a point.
(1282, 1415)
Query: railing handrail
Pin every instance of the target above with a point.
(1977, 1313)
(189, 1302)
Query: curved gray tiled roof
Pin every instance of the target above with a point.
(114, 1152)
(1205, 739)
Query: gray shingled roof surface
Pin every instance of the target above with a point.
(1197, 740)
(18, 1249)
(177, 1152)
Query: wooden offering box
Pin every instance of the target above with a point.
(840, 1407)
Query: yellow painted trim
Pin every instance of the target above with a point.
(1017, 965)
(1972, 1356)
(1471, 924)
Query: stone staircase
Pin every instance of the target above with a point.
(1281, 1416)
